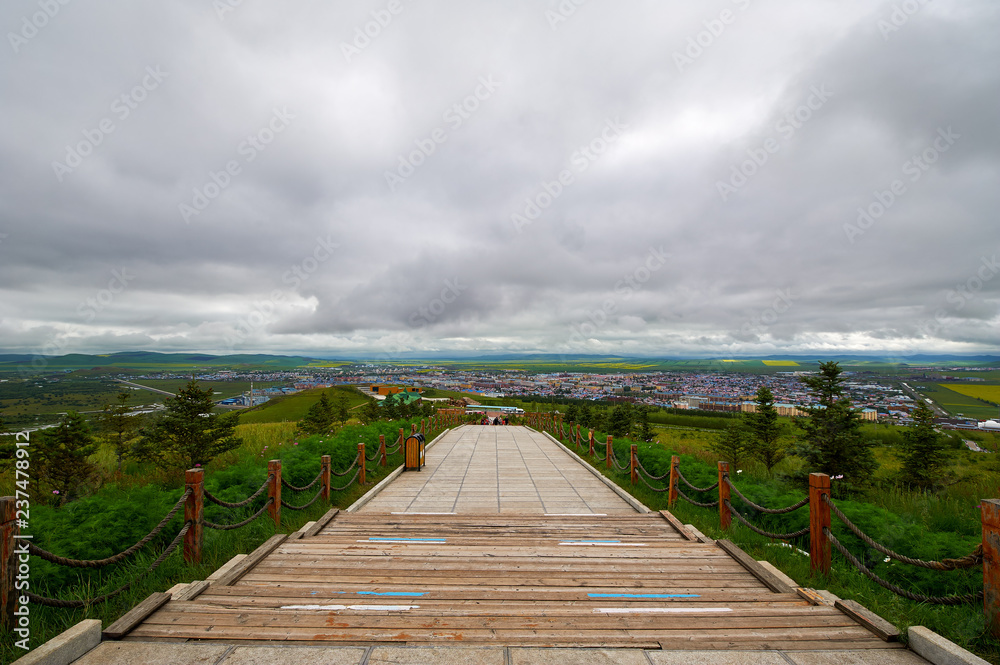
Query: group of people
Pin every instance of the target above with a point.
(486, 420)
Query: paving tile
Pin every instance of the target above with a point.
(136, 653)
(578, 657)
(299, 655)
(869, 657)
(436, 656)
(716, 658)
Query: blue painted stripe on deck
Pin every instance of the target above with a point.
(411, 540)
(404, 594)
(643, 595)
(591, 541)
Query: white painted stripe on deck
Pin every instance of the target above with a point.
(362, 608)
(576, 514)
(408, 513)
(607, 544)
(659, 610)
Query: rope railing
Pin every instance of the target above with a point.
(758, 507)
(121, 556)
(968, 598)
(245, 502)
(696, 489)
(347, 470)
(72, 604)
(777, 536)
(710, 504)
(230, 527)
(292, 487)
(285, 504)
(349, 482)
(646, 471)
(967, 561)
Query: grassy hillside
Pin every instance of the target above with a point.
(291, 408)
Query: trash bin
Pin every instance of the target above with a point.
(414, 452)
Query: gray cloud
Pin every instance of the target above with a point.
(302, 245)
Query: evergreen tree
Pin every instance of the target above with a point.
(573, 414)
(644, 431)
(620, 420)
(733, 445)
(765, 431)
(188, 433)
(341, 408)
(120, 426)
(370, 412)
(319, 417)
(586, 416)
(389, 408)
(833, 443)
(61, 454)
(923, 450)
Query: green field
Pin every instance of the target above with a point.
(955, 403)
(292, 408)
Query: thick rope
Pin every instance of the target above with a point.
(348, 469)
(696, 489)
(655, 489)
(778, 536)
(967, 561)
(645, 471)
(302, 489)
(374, 456)
(614, 460)
(769, 511)
(230, 527)
(684, 496)
(349, 482)
(100, 563)
(244, 502)
(920, 598)
(57, 602)
(311, 502)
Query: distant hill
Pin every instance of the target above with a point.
(150, 360)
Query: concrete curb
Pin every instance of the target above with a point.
(631, 500)
(373, 492)
(65, 647)
(931, 646)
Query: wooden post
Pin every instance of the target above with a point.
(725, 517)
(8, 562)
(413, 428)
(609, 449)
(402, 439)
(325, 478)
(634, 463)
(421, 425)
(675, 467)
(991, 564)
(590, 439)
(819, 517)
(361, 462)
(381, 447)
(274, 492)
(194, 512)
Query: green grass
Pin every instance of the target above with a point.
(927, 526)
(953, 402)
(288, 408)
(129, 505)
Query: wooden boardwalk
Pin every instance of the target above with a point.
(514, 580)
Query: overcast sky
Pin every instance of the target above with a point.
(649, 177)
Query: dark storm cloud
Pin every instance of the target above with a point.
(313, 178)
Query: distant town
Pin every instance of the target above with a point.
(882, 399)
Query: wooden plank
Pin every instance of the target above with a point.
(192, 591)
(135, 616)
(252, 559)
(873, 622)
(812, 596)
(676, 523)
(322, 522)
(765, 576)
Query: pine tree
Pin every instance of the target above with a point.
(61, 456)
(644, 431)
(765, 431)
(389, 408)
(370, 411)
(572, 413)
(923, 450)
(319, 417)
(619, 421)
(341, 408)
(188, 433)
(732, 446)
(120, 426)
(833, 443)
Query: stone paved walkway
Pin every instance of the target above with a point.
(488, 469)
